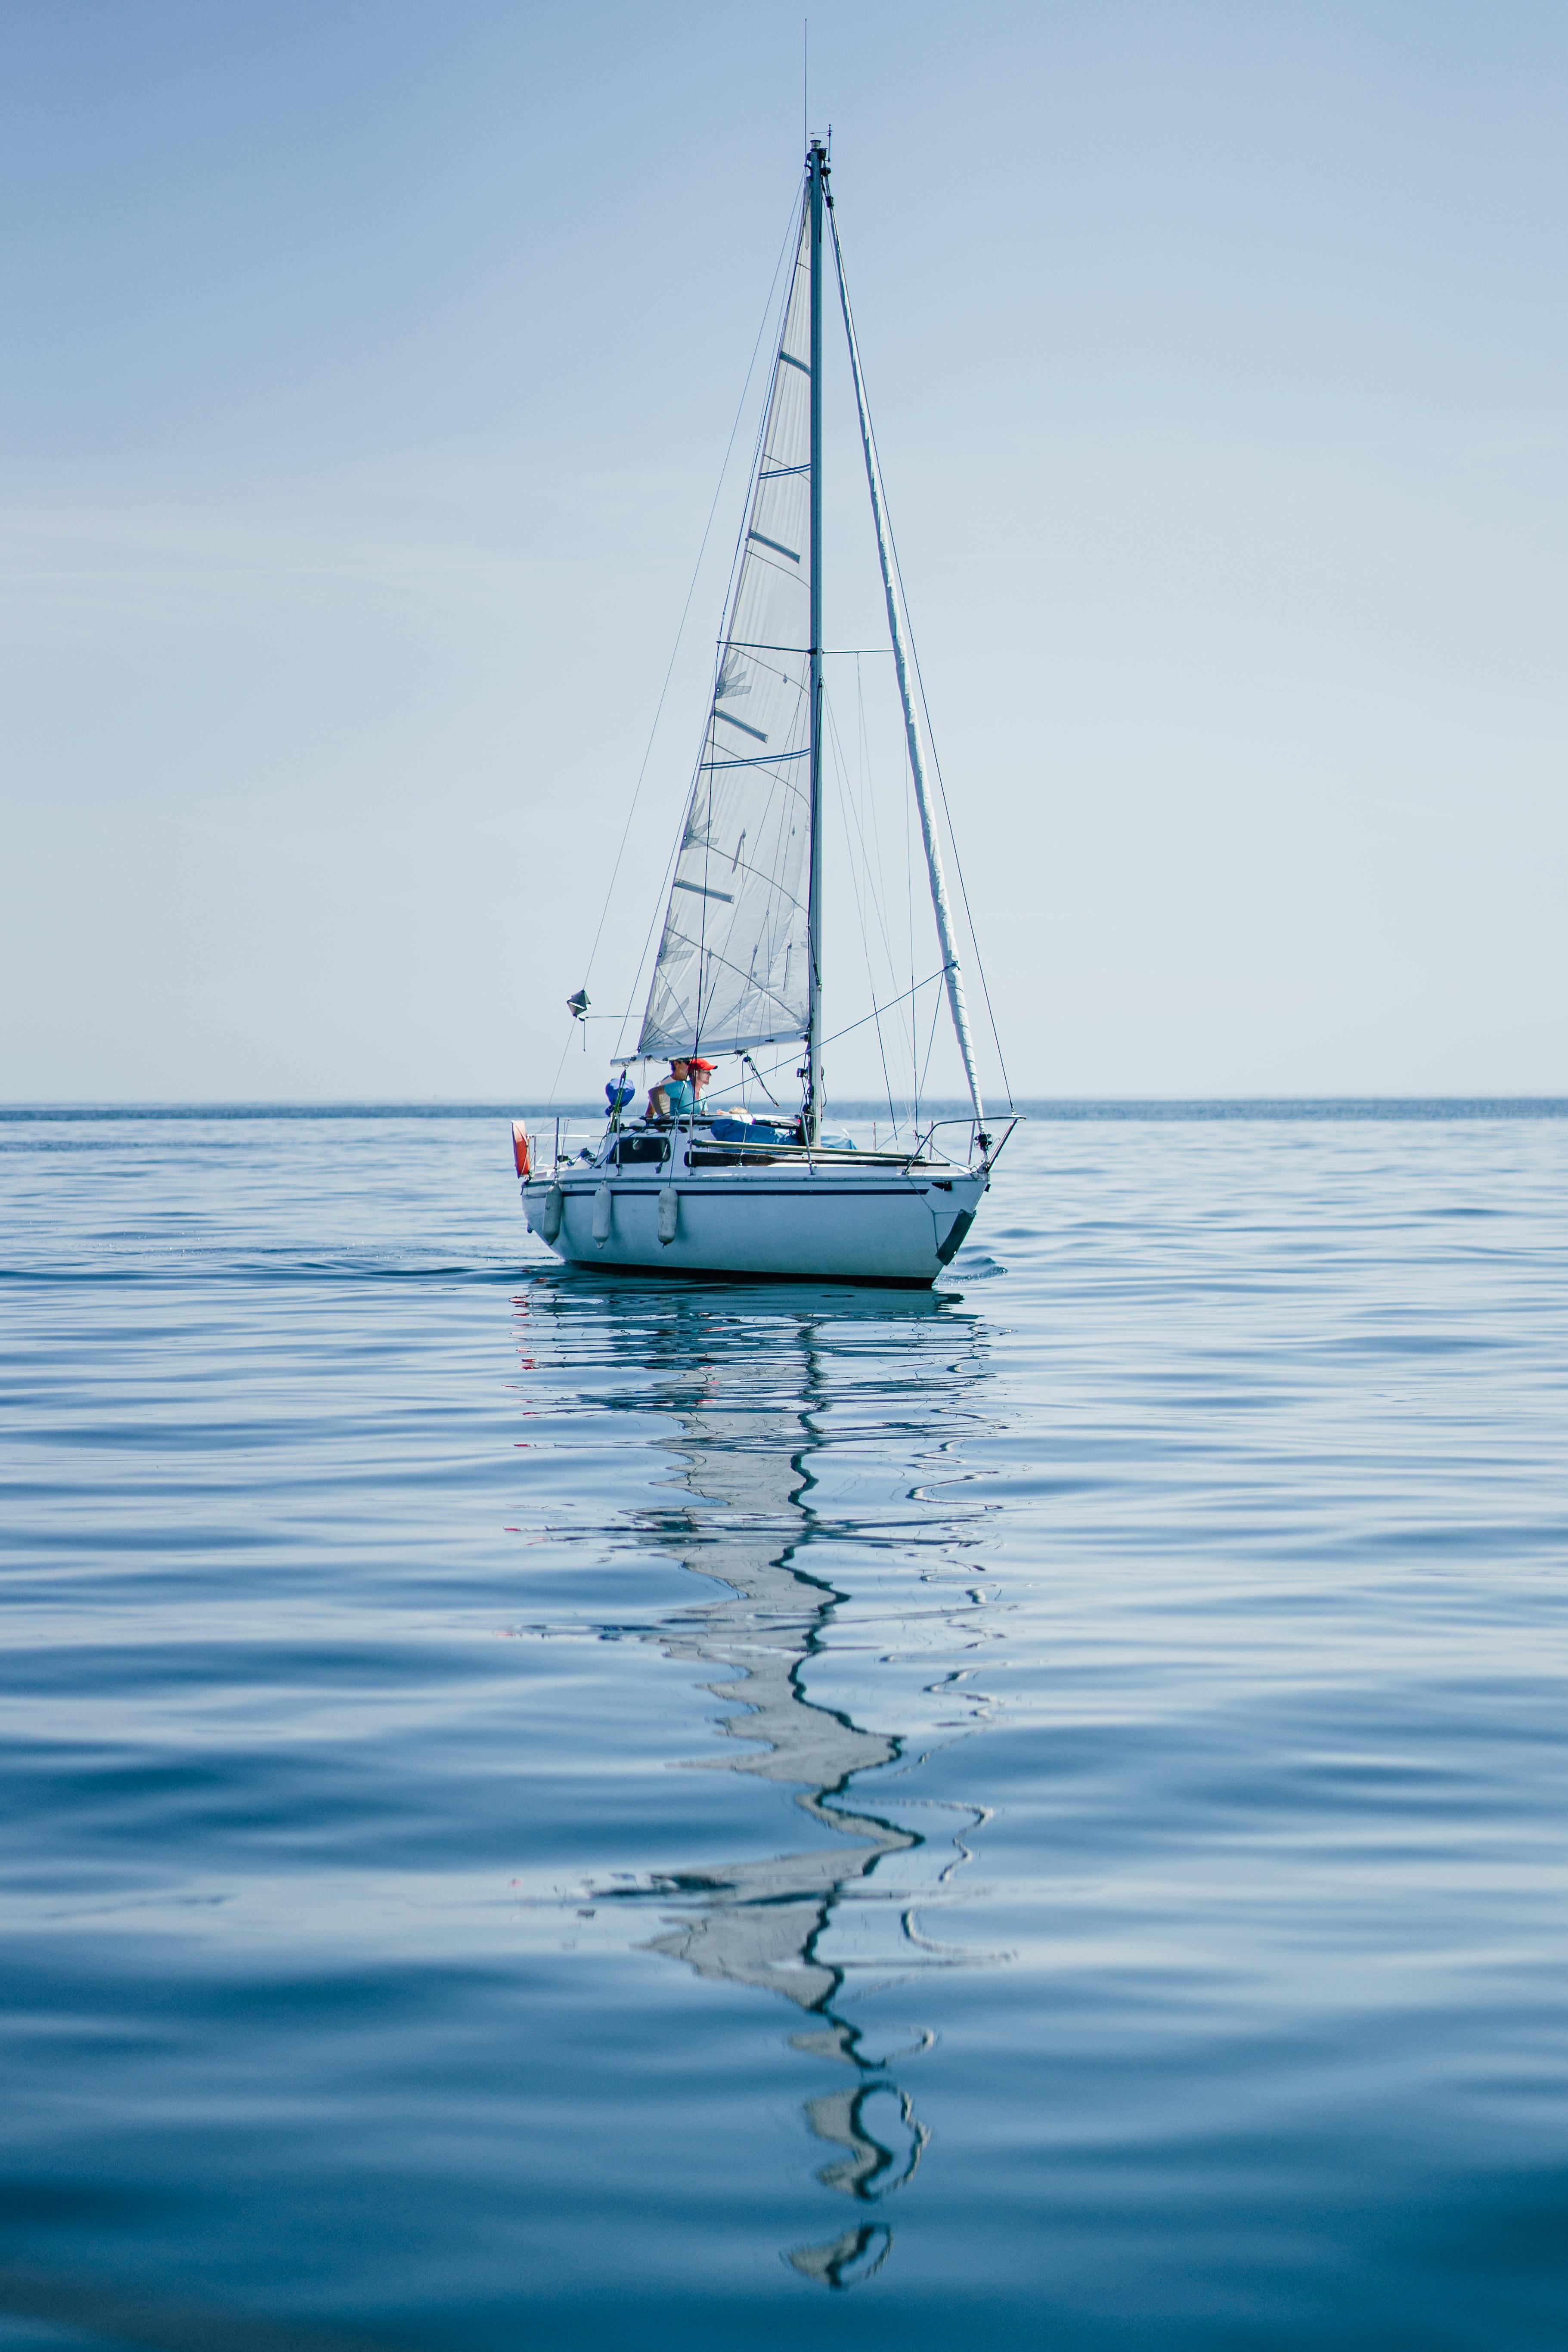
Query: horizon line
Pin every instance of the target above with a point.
(43, 1106)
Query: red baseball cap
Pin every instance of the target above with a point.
(696, 1062)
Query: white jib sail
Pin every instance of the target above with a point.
(732, 961)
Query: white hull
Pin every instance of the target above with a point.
(830, 1221)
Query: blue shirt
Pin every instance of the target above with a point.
(677, 1093)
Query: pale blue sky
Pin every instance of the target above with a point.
(366, 372)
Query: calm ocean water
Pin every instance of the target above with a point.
(542, 1810)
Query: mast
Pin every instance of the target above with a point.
(816, 168)
(911, 718)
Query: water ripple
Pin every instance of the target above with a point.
(547, 1809)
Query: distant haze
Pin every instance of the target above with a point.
(368, 373)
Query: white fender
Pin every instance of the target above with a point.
(668, 1212)
(555, 1206)
(601, 1213)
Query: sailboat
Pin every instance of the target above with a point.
(704, 1192)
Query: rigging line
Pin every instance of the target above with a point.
(931, 821)
(703, 967)
(860, 879)
(947, 812)
(864, 806)
(931, 736)
(772, 1071)
(660, 896)
(908, 796)
(930, 1047)
(760, 1079)
(864, 877)
(561, 1065)
(878, 885)
(853, 810)
(874, 883)
(877, 882)
(743, 534)
(946, 807)
(758, 988)
(798, 226)
(847, 807)
(877, 1010)
(708, 957)
(863, 803)
(691, 591)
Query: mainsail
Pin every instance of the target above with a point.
(733, 970)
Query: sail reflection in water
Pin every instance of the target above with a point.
(765, 1416)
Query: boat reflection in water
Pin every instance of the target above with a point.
(752, 1461)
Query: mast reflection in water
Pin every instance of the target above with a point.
(766, 1405)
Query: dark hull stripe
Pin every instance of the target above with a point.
(747, 1274)
(956, 1231)
(751, 1193)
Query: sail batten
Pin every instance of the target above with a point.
(760, 760)
(732, 965)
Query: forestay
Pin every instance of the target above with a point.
(733, 960)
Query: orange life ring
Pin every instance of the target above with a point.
(519, 1148)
